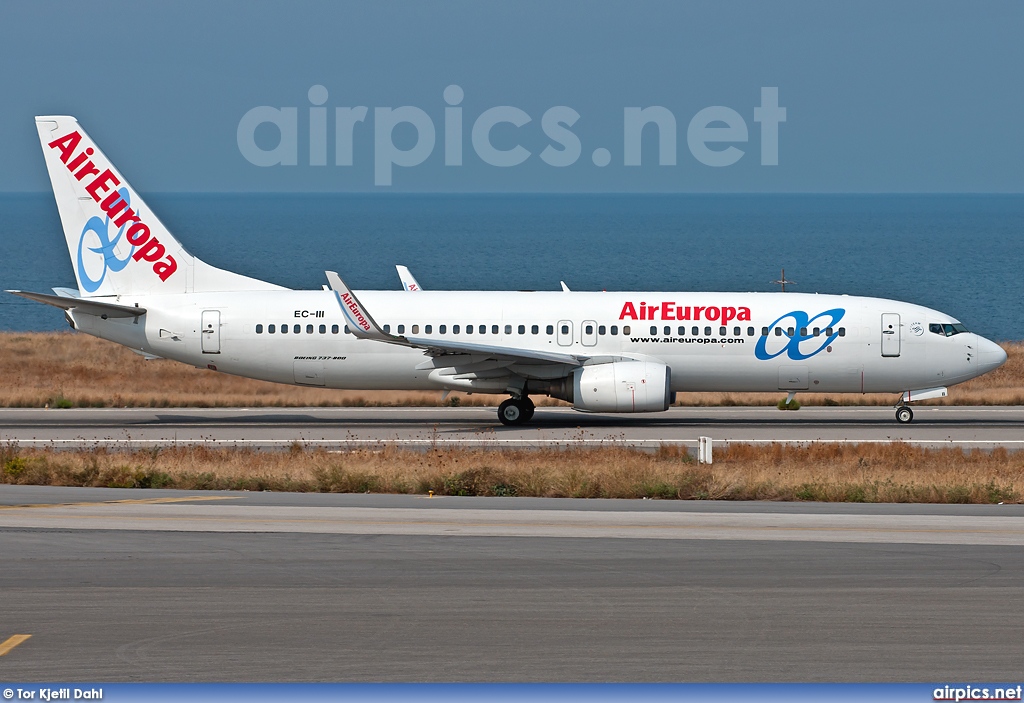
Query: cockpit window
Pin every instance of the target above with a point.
(947, 330)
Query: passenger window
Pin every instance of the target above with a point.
(297, 328)
(790, 331)
(736, 331)
(508, 329)
(565, 329)
(455, 329)
(589, 329)
(722, 331)
(387, 328)
(442, 329)
(654, 330)
(259, 329)
(615, 330)
(550, 329)
(483, 329)
(428, 329)
(803, 331)
(309, 329)
(625, 329)
(764, 331)
(401, 329)
(334, 329)
(750, 332)
(817, 331)
(347, 330)
(535, 330)
(284, 329)
(707, 331)
(828, 331)
(778, 331)
(494, 329)
(469, 329)
(682, 331)
(415, 329)
(323, 329)
(601, 330)
(522, 329)
(271, 329)
(668, 330)
(842, 331)
(695, 331)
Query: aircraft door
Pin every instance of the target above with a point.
(565, 333)
(890, 334)
(211, 331)
(588, 333)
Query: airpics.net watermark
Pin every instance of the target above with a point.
(711, 135)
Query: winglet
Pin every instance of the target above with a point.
(408, 281)
(360, 322)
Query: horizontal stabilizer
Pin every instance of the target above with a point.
(89, 306)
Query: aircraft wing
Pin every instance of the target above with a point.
(362, 325)
(90, 306)
(408, 281)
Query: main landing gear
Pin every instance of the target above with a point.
(516, 411)
(904, 415)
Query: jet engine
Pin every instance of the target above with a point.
(615, 387)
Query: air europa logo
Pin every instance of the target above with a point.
(670, 311)
(116, 206)
(353, 313)
(800, 345)
(100, 228)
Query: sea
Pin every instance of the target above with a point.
(961, 254)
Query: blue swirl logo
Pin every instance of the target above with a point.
(802, 344)
(101, 229)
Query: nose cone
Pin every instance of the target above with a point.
(990, 355)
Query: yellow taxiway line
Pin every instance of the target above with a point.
(12, 642)
(129, 501)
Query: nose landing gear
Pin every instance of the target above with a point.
(516, 411)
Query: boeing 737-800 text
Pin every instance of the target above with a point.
(602, 352)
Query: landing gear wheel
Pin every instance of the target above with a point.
(904, 415)
(528, 408)
(515, 411)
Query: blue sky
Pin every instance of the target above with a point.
(879, 96)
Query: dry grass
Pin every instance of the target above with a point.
(851, 473)
(76, 370)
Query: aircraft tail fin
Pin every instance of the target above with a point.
(118, 246)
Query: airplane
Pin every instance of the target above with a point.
(602, 352)
(409, 282)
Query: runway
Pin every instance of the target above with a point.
(423, 427)
(968, 427)
(123, 585)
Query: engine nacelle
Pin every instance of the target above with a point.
(622, 387)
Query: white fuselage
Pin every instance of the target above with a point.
(851, 352)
